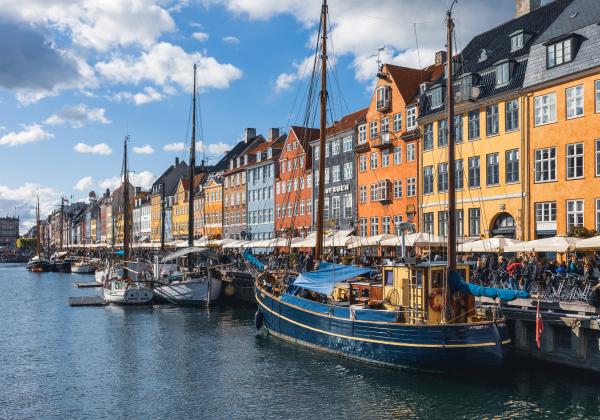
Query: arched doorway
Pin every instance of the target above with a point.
(504, 224)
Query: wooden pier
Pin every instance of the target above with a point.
(87, 301)
(88, 284)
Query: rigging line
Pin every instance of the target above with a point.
(335, 73)
(417, 42)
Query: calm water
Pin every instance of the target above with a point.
(170, 362)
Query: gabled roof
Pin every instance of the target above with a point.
(407, 80)
(578, 14)
(171, 178)
(348, 122)
(252, 143)
(236, 151)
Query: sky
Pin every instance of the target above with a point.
(77, 76)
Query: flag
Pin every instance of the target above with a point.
(539, 326)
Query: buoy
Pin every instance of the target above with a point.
(229, 290)
(258, 320)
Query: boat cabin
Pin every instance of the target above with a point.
(418, 291)
(362, 292)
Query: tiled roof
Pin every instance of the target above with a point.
(347, 122)
(237, 150)
(578, 14)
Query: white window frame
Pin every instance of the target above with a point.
(410, 152)
(411, 118)
(362, 163)
(411, 187)
(502, 74)
(575, 157)
(545, 109)
(575, 209)
(597, 156)
(397, 188)
(398, 121)
(575, 102)
(362, 134)
(398, 155)
(545, 162)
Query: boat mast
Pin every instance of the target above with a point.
(125, 210)
(162, 216)
(451, 151)
(62, 218)
(38, 229)
(191, 175)
(322, 127)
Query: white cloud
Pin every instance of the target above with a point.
(142, 179)
(168, 64)
(96, 149)
(302, 69)
(30, 134)
(146, 149)
(24, 199)
(84, 183)
(77, 116)
(174, 147)
(215, 148)
(231, 40)
(200, 36)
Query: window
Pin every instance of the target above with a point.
(512, 166)
(459, 174)
(474, 125)
(326, 208)
(398, 122)
(436, 98)
(316, 153)
(327, 149)
(373, 129)
(362, 134)
(597, 157)
(428, 137)
(442, 223)
(385, 158)
(411, 187)
(458, 128)
(502, 74)
(374, 226)
(397, 155)
(545, 164)
(442, 133)
(397, 222)
(575, 102)
(545, 212)
(491, 125)
(386, 223)
(428, 180)
(362, 163)
(363, 193)
(410, 152)
(362, 223)
(374, 160)
(385, 125)
(545, 109)
(382, 190)
(428, 223)
(597, 86)
(326, 175)
(442, 181)
(335, 147)
(597, 214)
(474, 224)
(574, 214)
(411, 118)
(492, 170)
(512, 115)
(574, 160)
(348, 170)
(398, 188)
(335, 173)
(383, 97)
(348, 206)
(516, 42)
(460, 223)
(558, 53)
(335, 207)
(308, 207)
(373, 192)
(347, 144)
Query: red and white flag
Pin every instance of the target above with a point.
(539, 326)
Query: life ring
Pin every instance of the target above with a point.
(433, 303)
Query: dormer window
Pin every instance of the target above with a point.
(436, 97)
(245, 159)
(483, 55)
(560, 52)
(231, 164)
(503, 73)
(269, 153)
(239, 161)
(258, 156)
(424, 87)
(516, 41)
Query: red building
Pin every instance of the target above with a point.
(293, 187)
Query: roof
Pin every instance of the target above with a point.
(253, 142)
(578, 14)
(237, 150)
(170, 178)
(348, 122)
(407, 80)
(276, 145)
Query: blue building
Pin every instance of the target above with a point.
(260, 187)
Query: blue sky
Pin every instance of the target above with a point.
(79, 76)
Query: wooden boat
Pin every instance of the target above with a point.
(38, 264)
(83, 267)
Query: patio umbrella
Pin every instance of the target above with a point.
(559, 244)
(495, 244)
(589, 243)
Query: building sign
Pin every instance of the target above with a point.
(337, 188)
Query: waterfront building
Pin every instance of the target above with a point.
(340, 175)
(293, 187)
(563, 101)
(234, 187)
(387, 150)
(260, 192)
(141, 217)
(170, 178)
(117, 212)
(213, 207)
(180, 210)
(488, 132)
(9, 231)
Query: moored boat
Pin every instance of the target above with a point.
(83, 267)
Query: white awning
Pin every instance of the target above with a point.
(553, 244)
(495, 244)
(589, 243)
(182, 253)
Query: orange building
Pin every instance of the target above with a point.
(293, 188)
(387, 150)
(213, 208)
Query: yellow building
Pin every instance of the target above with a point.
(155, 217)
(180, 210)
(213, 208)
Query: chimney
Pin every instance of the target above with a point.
(249, 133)
(176, 162)
(440, 58)
(273, 133)
(522, 7)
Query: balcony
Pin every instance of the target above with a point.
(383, 105)
(383, 141)
(362, 148)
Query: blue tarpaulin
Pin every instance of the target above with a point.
(120, 253)
(458, 284)
(253, 260)
(328, 274)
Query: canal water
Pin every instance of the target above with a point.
(172, 362)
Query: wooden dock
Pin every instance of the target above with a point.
(87, 301)
(88, 284)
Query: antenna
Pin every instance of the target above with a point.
(379, 63)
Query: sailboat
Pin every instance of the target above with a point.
(417, 315)
(192, 284)
(123, 290)
(38, 264)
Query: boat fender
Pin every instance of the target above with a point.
(229, 290)
(258, 320)
(433, 301)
